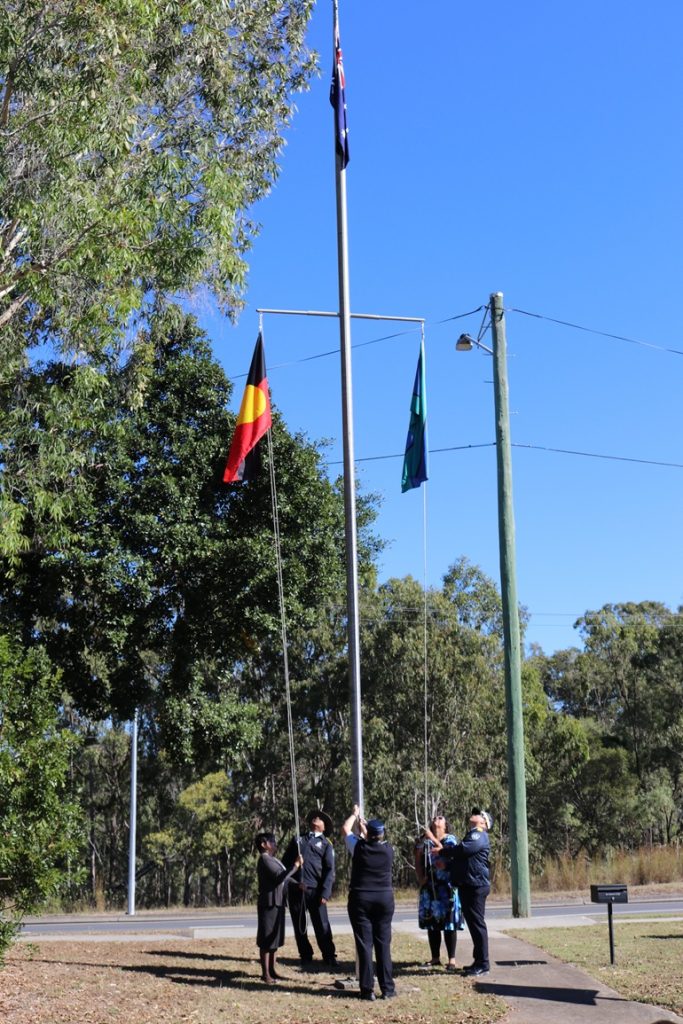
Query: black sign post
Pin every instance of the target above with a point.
(609, 894)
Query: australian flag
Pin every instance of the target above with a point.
(338, 100)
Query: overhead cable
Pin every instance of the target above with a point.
(533, 447)
(592, 330)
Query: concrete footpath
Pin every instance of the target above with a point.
(542, 990)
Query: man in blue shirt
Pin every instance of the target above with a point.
(472, 877)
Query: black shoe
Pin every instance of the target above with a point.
(389, 995)
(476, 971)
(368, 995)
(332, 963)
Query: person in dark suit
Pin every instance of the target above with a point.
(470, 872)
(371, 902)
(272, 878)
(311, 887)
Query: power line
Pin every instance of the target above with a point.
(432, 451)
(592, 330)
(533, 447)
(596, 455)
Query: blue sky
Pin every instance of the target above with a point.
(533, 149)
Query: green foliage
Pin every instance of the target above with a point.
(39, 826)
(463, 702)
(49, 423)
(164, 591)
(198, 837)
(626, 688)
(134, 137)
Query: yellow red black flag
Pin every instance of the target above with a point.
(253, 421)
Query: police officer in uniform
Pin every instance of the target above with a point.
(471, 874)
(371, 902)
(311, 887)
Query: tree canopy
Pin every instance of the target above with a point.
(135, 136)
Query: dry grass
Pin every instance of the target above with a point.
(649, 957)
(643, 867)
(650, 865)
(217, 982)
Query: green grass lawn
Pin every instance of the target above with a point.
(648, 955)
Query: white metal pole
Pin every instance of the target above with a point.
(133, 813)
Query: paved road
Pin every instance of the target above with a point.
(185, 922)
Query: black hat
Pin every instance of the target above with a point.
(375, 828)
(325, 818)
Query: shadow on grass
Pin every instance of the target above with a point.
(211, 978)
(574, 996)
(182, 955)
(645, 937)
(227, 979)
(293, 963)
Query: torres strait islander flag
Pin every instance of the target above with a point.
(252, 423)
(415, 460)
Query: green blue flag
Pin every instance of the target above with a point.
(415, 460)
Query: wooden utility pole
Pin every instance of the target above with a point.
(519, 841)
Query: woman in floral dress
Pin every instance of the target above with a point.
(439, 906)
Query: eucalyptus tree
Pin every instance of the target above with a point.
(626, 687)
(135, 138)
(460, 713)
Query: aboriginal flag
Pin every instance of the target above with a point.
(252, 423)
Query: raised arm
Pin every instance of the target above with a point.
(353, 819)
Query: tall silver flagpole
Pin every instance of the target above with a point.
(350, 530)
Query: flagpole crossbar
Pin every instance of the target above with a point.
(355, 316)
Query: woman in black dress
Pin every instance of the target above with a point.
(272, 877)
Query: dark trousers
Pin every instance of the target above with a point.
(473, 902)
(450, 939)
(309, 900)
(370, 914)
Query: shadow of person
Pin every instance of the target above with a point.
(548, 993)
(181, 954)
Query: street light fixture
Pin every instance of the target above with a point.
(519, 840)
(464, 343)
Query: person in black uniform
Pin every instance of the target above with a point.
(311, 888)
(471, 875)
(371, 902)
(272, 878)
